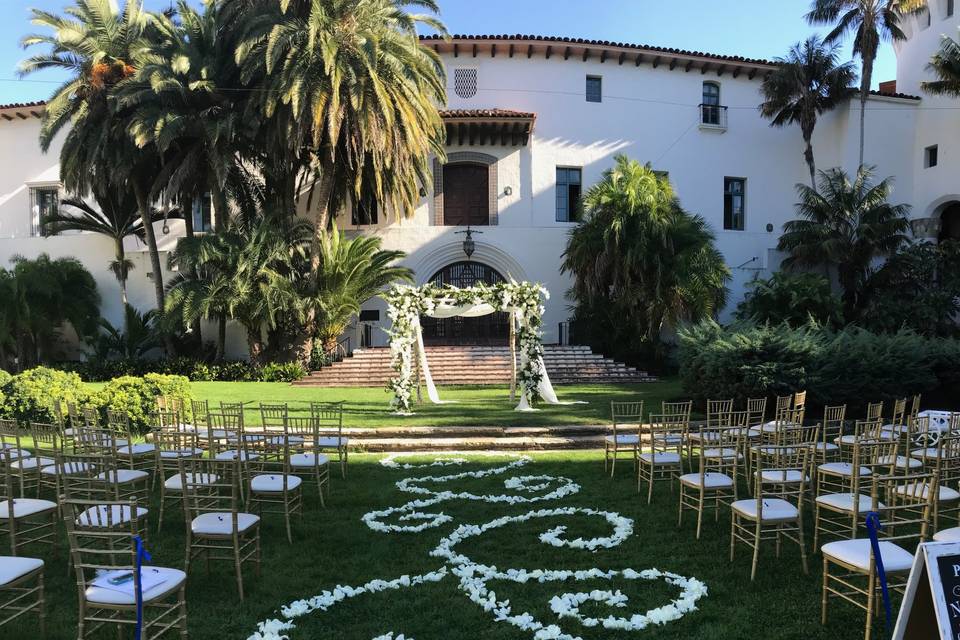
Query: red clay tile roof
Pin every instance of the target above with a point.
(601, 43)
(485, 113)
(888, 94)
(23, 105)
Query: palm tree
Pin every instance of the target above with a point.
(96, 43)
(116, 216)
(945, 65)
(352, 270)
(845, 227)
(138, 337)
(807, 83)
(872, 21)
(639, 256)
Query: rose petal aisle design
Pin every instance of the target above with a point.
(419, 514)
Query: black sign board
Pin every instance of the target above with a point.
(931, 603)
(950, 583)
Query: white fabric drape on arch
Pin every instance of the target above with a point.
(443, 310)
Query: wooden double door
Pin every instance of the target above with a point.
(466, 195)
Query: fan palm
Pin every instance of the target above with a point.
(945, 65)
(844, 227)
(871, 21)
(808, 82)
(641, 256)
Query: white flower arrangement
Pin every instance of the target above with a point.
(474, 577)
(524, 301)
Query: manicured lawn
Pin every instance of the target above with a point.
(334, 547)
(475, 406)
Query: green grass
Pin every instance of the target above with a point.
(333, 547)
(475, 406)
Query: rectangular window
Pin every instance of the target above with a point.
(594, 89)
(931, 156)
(950, 8)
(364, 212)
(734, 203)
(568, 194)
(203, 214)
(44, 202)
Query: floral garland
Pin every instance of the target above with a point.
(406, 304)
(474, 577)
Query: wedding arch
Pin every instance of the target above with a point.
(522, 300)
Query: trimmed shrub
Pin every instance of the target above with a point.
(5, 379)
(282, 372)
(196, 370)
(30, 395)
(131, 395)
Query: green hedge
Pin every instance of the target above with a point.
(196, 370)
(850, 366)
(137, 397)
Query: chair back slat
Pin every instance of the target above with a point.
(756, 411)
(626, 413)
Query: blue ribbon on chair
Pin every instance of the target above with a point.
(142, 555)
(873, 527)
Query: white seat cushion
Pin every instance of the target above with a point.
(705, 436)
(175, 482)
(221, 524)
(774, 509)
(16, 454)
(232, 454)
(725, 453)
(136, 449)
(770, 450)
(14, 568)
(68, 469)
(945, 494)
(844, 502)
(99, 516)
(624, 439)
(273, 483)
(948, 535)
(308, 459)
(841, 469)
(785, 476)
(923, 454)
(900, 462)
(332, 443)
(32, 463)
(847, 439)
(23, 507)
(710, 480)
(172, 579)
(180, 453)
(857, 553)
(826, 446)
(661, 458)
(123, 476)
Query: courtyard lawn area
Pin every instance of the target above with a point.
(475, 405)
(333, 547)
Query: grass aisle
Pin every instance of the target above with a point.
(333, 547)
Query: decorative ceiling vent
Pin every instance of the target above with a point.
(465, 82)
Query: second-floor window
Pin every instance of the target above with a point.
(594, 89)
(44, 202)
(203, 214)
(710, 109)
(950, 8)
(734, 203)
(569, 180)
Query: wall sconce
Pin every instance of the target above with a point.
(508, 190)
(769, 228)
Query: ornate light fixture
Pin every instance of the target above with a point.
(469, 246)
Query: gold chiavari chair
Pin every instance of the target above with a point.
(947, 471)
(93, 479)
(874, 411)
(831, 430)
(199, 409)
(840, 503)
(274, 420)
(305, 460)
(772, 434)
(172, 444)
(718, 415)
(21, 590)
(784, 403)
(799, 400)
(863, 430)
(756, 412)
(627, 419)
(23, 464)
(663, 461)
(923, 443)
(11, 439)
(776, 510)
(131, 483)
(48, 447)
(915, 406)
(273, 487)
(904, 510)
(25, 521)
(715, 483)
(140, 456)
(329, 416)
(104, 559)
(216, 528)
(64, 422)
(683, 408)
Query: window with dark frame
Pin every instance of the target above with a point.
(594, 89)
(950, 8)
(569, 189)
(711, 103)
(931, 156)
(203, 214)
(365, 212)
(734, 203)
(46, 202)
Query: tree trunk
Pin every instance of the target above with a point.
(321, 219)
(808, 156)
(121, 257)
(143, 202)
(221, 337)
(866, 79)
(255, 344)
(303, 348)
(221, 210)
(187, 204)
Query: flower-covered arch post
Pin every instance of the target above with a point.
(522, 300)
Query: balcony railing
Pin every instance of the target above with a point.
(713, 116)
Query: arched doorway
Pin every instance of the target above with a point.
(491, 329)
(950, 222)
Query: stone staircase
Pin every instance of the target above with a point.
(452, 365)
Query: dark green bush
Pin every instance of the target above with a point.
(851, 366)
(282, 372)
(30, 395)
(5, 379)
(793, 298)
(137, 397)
(196, 370)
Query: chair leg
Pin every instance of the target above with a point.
(756, 551)
(183, 612)
(733, 539)
(700, 513)
(650, 485)
(803, 549)
(238, 567)
(680, 510)
(871, 589)
(823, 598)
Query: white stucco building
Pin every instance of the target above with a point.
(533, 121)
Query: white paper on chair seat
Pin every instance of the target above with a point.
(308, 459)
(774, 509)
(221, 524)
(858, 553)
(844, 502)
(710, 480)
(175, 482)
(627, 439)
(273, 483)
(841, 469)
(23, 507)
(99, 517)
(13, 568)
(124, 476)
(32, 463)
(154, 582)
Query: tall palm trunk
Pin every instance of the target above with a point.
(187, 205)
(321, 221)
(221, 337)
(143, 203)
(221, 209)
(255, 344)
(808, 155)
(865, 82)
